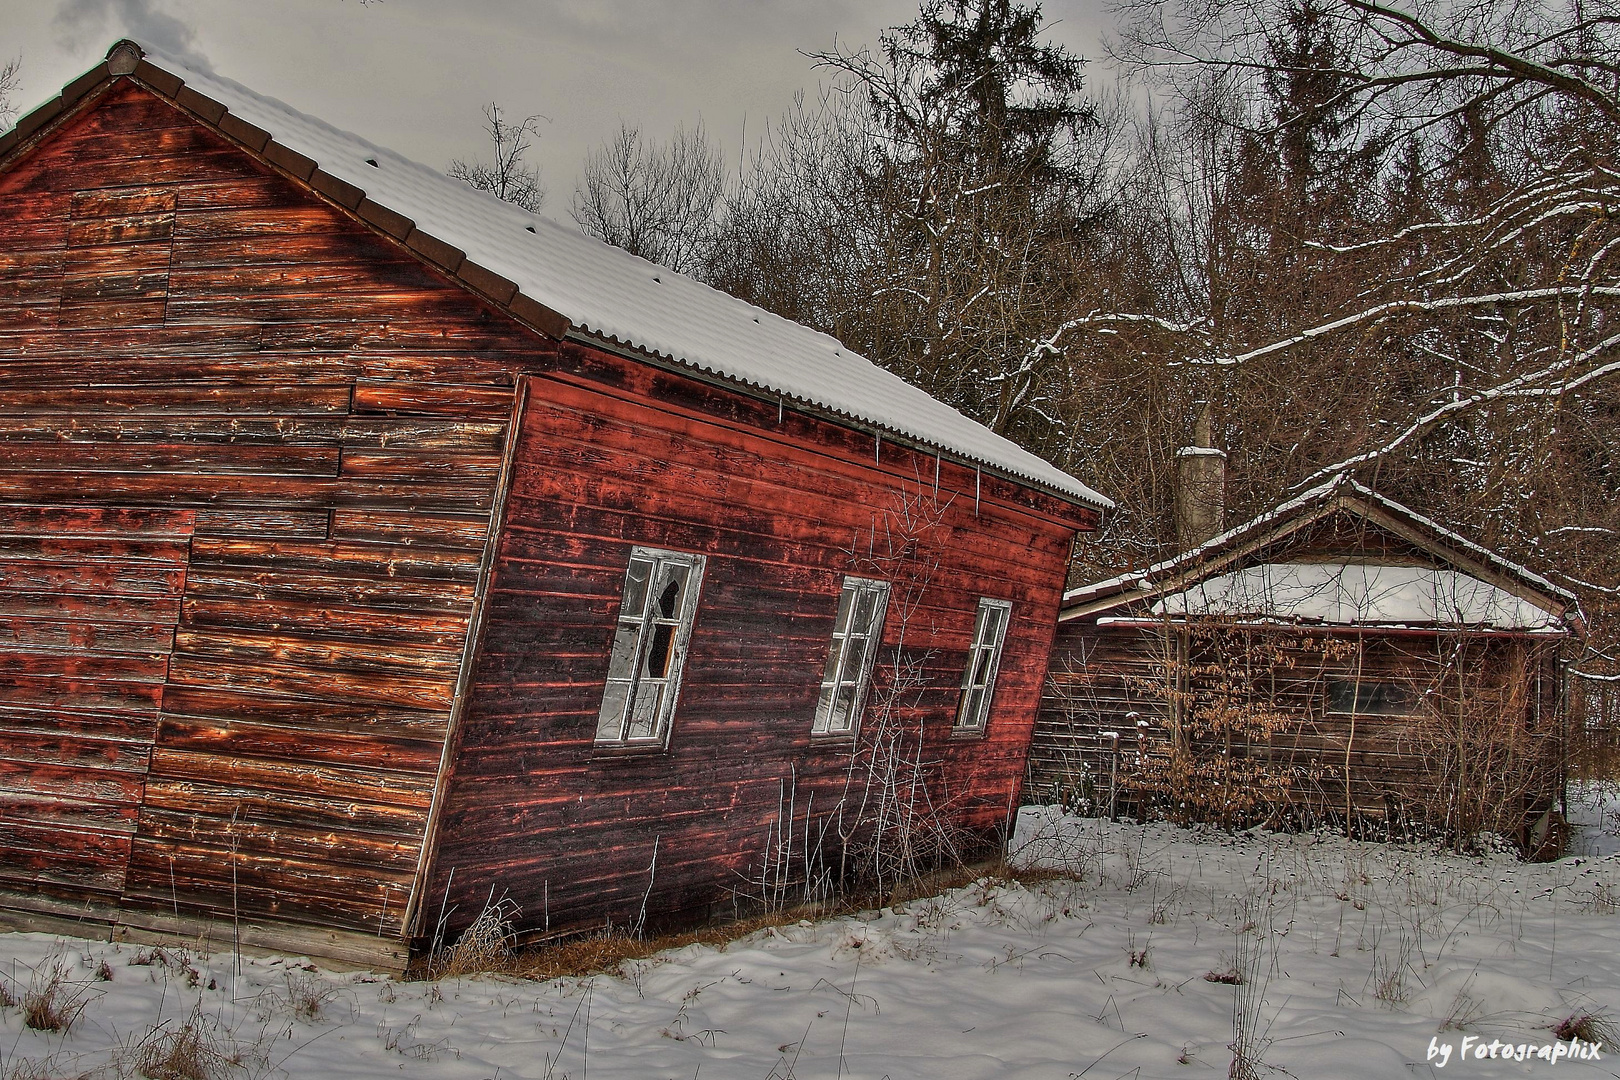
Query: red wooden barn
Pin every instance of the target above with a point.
(370, 548)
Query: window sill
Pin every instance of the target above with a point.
(844, 740)
(968, 734)
(624, 750)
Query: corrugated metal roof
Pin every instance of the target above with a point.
(1201, 562)
(622, 298)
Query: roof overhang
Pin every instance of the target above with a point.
(1342, 494)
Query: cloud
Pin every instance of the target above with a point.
(144, 20)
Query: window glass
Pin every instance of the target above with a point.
(856, 632)
(649, 647)
(984, 660)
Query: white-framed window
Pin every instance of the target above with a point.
(649, 647)
(984, 660)
(856, 633)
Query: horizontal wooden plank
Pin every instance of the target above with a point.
(122, 229)
(336, 849)
(156, 579)
(70, 752)
(97, 636)
(37, 855)
(440, 630)
(176, 399)
(429, 530)
(301, 681)
(116, 202)
(249, 800)
(389, 787)
(471, 468)
(292, 585)
(49, 691)
(480, 402)
(78, 664)
(301, 744)
(307, 524)
(197, 458)
(409, 563)
(69, 815)
(395, 433)
(216, 490)
(76, 784)
(323, 653)
(94, 521)
(95, 550)
(92, 607)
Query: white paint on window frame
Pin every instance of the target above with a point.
(648, 652)
(851, 655)
(983, 664)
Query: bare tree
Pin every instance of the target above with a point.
(10, 77)
(507, 178)
(987, 173)
(1395, 254)
(656, 200)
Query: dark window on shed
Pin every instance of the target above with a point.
(856, 633)
(1370, 697)
(649, 647)
(984, 660)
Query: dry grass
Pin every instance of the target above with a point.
(304, 997)
(53, 1000)
(199, 1049)
(605, 951)
(487, 946)
(1592, 1027)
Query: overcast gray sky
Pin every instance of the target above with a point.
(412, 75)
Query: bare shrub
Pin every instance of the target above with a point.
(893, 822)
(1491, 751)
(196, 1050)
(1229, 697)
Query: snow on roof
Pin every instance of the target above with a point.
(1346, 593)
(1140, 583)
(620, 297)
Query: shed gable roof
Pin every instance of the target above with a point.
(1243, 559)
(559, 280)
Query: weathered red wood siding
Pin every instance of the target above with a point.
(248, 451)
(784, 507)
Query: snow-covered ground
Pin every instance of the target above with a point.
(1355, 960)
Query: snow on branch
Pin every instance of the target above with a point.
(1406, 307)
(1541, 383)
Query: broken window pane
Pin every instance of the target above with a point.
(649, 642)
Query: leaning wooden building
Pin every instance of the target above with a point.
(370, 547)
(1340, 659)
